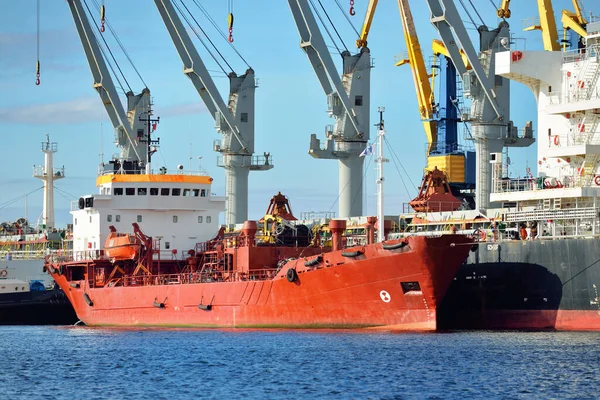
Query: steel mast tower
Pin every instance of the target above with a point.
(235, 120)
(348, 101)
(46, 173)
(130, 133)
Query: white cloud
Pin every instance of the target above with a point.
(87, 109)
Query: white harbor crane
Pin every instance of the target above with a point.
(235, 120)
(348, 101)
(492, 128)
(132, 132)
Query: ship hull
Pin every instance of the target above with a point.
(49, 307)
(540, 284)
(374, 289)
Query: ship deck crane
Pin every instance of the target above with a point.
(576, 22)
(131, 134)
(348, 101)
(490, 94)
(547, 25)
(235, 120)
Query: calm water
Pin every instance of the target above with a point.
(91, 363)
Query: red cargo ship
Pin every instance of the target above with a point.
(246, 280)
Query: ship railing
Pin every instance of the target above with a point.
(72, 255)
(160, 171)
(23, 254)
(432, 207)
(206, 276)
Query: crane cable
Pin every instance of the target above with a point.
(205, 35)
(477, 12)
(230, 21)
(347, 18)
(37, 66)
(112, 31)
(214, 23)
(325, 26)
(468, 15)
(109, 51)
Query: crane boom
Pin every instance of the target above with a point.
(366, 27)
(313, 44)
(196, 71)
(348, 101)
(131, 150)
(575, 20)
(425, 97)
(447, 20)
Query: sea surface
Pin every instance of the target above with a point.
(92, 363)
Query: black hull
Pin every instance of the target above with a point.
(50, 307)
(526, 285)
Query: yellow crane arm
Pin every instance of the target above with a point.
(579, 12)
(362, 41)
(570, 21)
(547, 26)
(419, 71)
(439, 48)
(503, 10)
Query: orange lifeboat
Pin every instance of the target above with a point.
(121, 246)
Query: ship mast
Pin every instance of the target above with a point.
(47, 174)
(380, 160)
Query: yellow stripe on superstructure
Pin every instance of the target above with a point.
(141, 178)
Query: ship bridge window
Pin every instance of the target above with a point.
(208, 219)
(89, 202)
(175, 219)
(203, 193)
(165, 191)
(199, 219)
(244, 117)
(167, 245)
(153, 191)
(139, 218)
(358, 100)
(142, 191)
(196, 192)
(109, 218)
(187, 192)
(129, 191)
(176, 192)
(117, 218)
(118, 191)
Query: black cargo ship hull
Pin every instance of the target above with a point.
(540, 284)
(49, 307)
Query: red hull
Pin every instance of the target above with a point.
(344, 291)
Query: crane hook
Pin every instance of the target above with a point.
(352, 12)
(102, 18)
(37, 74)
(230, 23)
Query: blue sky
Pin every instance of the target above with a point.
(290, 102)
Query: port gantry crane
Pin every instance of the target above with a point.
(132, 134)
(576, 22)
(440, 121)
(235, 121)
(348, 100)
(491, 127)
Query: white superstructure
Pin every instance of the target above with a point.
(179, 209)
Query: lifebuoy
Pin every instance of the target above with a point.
(556, 140)
(3, 273)
(596, 181)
